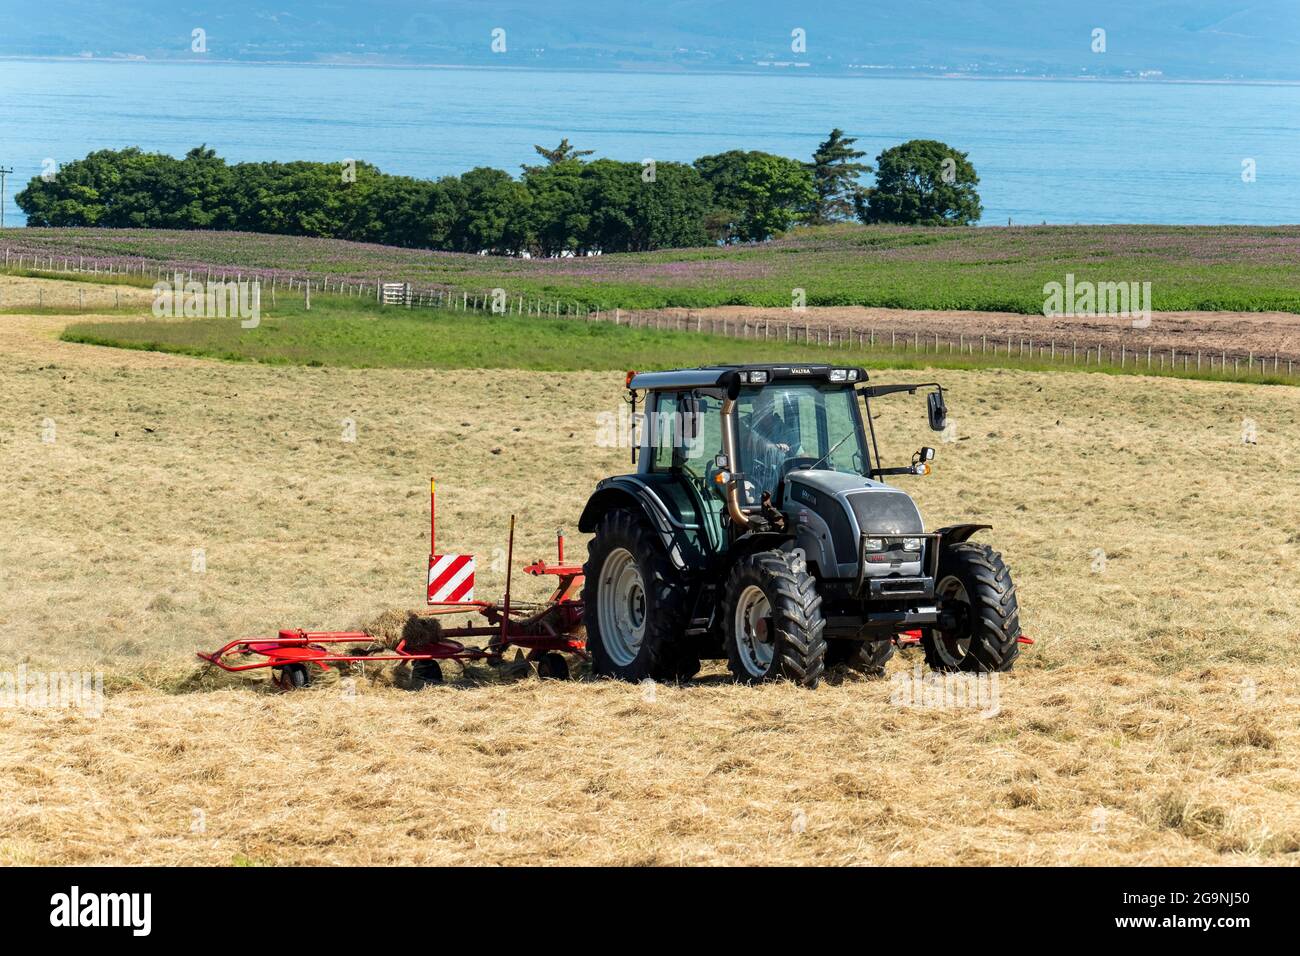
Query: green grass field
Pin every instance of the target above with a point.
(1219, 268)
(343, 333)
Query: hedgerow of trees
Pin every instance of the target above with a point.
(565, 205)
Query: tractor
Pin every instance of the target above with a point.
(757, 528)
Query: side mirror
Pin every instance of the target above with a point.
(938, 411)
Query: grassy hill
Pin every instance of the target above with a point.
(1218, 268)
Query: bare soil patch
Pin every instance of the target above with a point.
(1263, 333)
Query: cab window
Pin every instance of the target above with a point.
(685, 432)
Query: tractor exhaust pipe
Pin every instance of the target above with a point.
(729, 449)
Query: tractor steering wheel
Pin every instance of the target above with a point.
(799, 464)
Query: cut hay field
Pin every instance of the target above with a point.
(1156, 720)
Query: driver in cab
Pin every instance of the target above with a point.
(772, 442)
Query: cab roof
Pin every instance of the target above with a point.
(722, 376)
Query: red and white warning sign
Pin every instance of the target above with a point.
(451, 577)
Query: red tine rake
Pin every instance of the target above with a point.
(544, 631)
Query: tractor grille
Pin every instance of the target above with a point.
(885, 512)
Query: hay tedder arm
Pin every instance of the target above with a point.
(552, 626)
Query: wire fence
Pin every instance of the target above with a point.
(913, 342)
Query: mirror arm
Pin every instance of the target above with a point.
(876, 391)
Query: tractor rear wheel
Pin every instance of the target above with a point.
(773, 620)
(974, 582)
(634, 604)
(865, 657)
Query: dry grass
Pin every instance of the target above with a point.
(18, 292)
(1155, 721)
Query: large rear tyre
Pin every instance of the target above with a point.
(635, 604)
(974, 582)
(866, 657)
(773, 620)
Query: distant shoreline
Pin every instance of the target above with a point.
(898, 73)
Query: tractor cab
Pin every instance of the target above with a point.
(757, 444)
(764, 473)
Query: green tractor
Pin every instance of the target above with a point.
(756, 529)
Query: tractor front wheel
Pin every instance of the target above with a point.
(774, 620)
(980, 611)
(634, 604)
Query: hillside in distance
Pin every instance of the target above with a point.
(1192, 39)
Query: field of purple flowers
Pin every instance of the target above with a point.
(1193, 268)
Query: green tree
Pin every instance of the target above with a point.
(442, 214)
(494, 217)
(669, 210)
(560, 154)
(558, 212)
(836, 171)
(755, 195)
(724, 173)
(193, 193)
(112, 188)
(297, 199)
(608, 200)
(389, 209)
(777, 192)
(924, 183)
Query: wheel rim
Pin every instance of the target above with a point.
(753, 630)
(956, 645)
(621, 607)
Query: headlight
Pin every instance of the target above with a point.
(839, 375)
(756, 378)
(911, 544)
(875, 544)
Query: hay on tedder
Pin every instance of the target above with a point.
(546, 631)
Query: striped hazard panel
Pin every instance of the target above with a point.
(451, 577)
